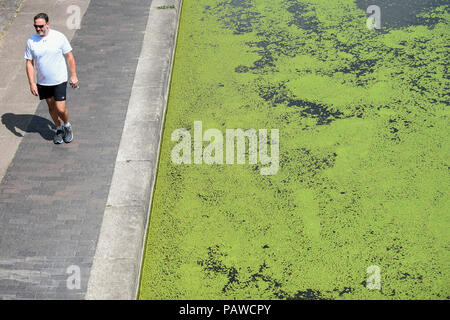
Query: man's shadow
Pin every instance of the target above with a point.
(29, 123)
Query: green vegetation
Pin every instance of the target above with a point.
(363, 178)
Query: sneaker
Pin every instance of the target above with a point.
(58, 138)
(68, 134)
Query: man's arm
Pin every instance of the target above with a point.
(30, 75)
(73, 68)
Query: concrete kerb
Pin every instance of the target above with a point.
(116, 269)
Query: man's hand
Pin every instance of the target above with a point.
(34, 89)
(74, 81)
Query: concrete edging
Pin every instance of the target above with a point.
(116, 268)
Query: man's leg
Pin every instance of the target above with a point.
(53, 111)
(62, 111)
(58, 112)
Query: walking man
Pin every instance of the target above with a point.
(45, 52)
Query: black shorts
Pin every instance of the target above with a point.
(59, 91)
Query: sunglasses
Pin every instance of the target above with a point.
(40, 27)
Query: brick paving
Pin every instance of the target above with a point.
(52, 197)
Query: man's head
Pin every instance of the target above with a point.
(41, 24)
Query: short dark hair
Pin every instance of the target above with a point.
(41, 16)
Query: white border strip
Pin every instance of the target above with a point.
(116, 269)
(178, 5)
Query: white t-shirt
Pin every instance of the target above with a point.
(48, 55)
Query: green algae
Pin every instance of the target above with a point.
(363, 178)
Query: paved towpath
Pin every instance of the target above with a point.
(53, 197)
